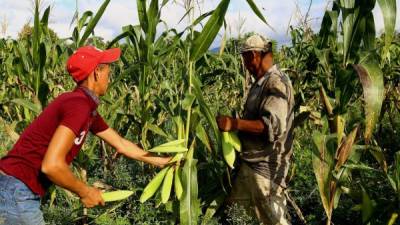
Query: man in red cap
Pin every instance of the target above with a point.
(45, 149)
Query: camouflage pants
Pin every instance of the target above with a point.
(261, 196)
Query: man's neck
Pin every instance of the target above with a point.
(90, 93)
(264, 69)
(90, 88)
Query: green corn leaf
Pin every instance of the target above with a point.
(36, 34)
(397, 171)
(40, 69)
(369, 33)
(366, 206)
(188, 101)
(180, 127)
(155, 129)
(205, 109)
(202, 135)
(371, 78)
(93, 22)
(212, 209)
(210, 30)
(189, 203)
(185, 15)
(36, 108)
(323, 164)
(141, 7)
(44, 91)
(349, 13)
(388, 8)
(116, 195)
(118, 38)
(21, 51)
(255, 9)
(378, 154)
(152, 18)
(45, 17)
(202, 17)
(358, 166)
(83, 20)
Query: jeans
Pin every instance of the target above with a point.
(18, 204)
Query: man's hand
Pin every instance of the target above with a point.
(91, 197)
(227, 123)
(132, 150)
(165, 161)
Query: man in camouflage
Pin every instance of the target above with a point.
(266, 134)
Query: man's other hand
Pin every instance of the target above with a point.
(226, 123)
(92, 197)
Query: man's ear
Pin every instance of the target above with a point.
(95, 75)
(269, 46)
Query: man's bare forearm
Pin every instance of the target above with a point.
(251, 126)
(133, 151)
(61, 175)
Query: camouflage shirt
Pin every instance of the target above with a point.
(270, 99)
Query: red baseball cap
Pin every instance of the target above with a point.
(84, 60)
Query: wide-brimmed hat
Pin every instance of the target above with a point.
(256, 43)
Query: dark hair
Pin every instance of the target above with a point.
(101, 66)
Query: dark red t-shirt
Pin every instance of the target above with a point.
(75, 110)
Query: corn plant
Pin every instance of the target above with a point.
(357, 51)
(86, 24)
(185, 111)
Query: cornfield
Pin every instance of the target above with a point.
(168, 88)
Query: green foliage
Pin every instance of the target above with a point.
(237, 215)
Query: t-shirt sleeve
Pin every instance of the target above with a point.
(274, 108)
(74, 114)
(98, 124)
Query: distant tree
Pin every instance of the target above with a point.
(27, 31)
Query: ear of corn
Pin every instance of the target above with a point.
(175, 143)
(176, 158)
(116, 195)
(172, 146)
(228, 149)
(154, 184)
(180, 127)
(234, 141)
(167, 185)
(178, 183)
(166, 149)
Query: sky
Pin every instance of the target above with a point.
(280, 14)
